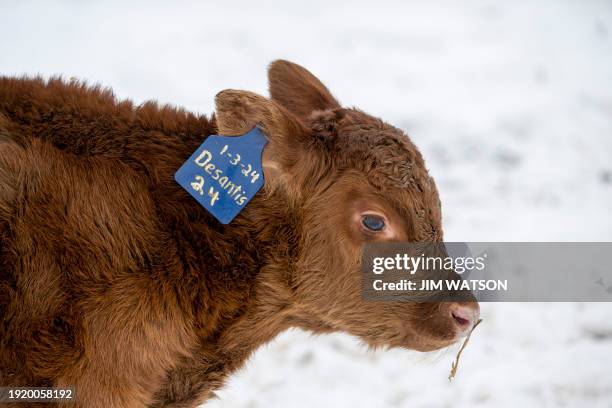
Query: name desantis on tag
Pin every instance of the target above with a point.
(224, 173)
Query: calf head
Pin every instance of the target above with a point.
(351, 179)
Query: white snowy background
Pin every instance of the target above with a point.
(510, 103)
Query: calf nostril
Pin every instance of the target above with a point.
(461, 320)
(464, 315)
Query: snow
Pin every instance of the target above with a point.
(510, 103)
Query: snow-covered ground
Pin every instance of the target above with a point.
(510, 103)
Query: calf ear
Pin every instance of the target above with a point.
(237, 112)
(298, 90)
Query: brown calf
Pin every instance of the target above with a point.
(115, 281)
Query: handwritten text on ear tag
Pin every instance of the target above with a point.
(224, 173)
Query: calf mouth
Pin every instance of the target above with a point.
(453, 322)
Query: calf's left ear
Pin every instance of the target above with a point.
(237, 112)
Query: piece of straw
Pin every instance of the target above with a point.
(456, 362)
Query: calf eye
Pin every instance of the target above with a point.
(373, 222)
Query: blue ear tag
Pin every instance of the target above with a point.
(224, 173)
